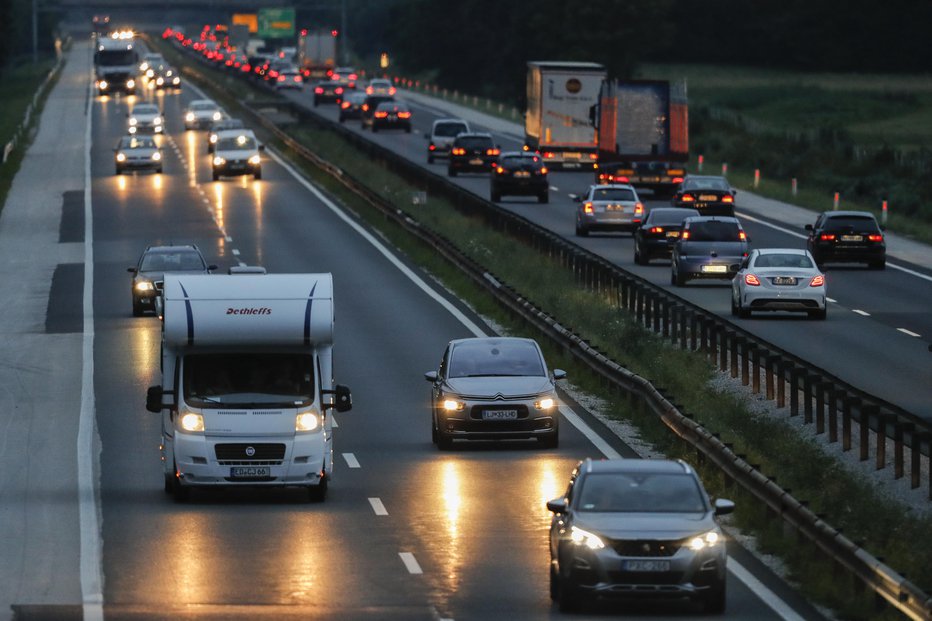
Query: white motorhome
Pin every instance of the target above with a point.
(247, 382)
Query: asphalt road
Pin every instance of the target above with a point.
(406, 533)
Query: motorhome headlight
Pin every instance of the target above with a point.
(191, 421)
(144, 285)
(545, 403)
(307, 421)
(254, 160)
(219, 161)
(452, 405)
(705, 540)
(584, 538)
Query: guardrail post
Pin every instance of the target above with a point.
(703, 334)
(769, 363)
(746, 362)
(847, 403)
(797, 377)
(915, 463)
(733, 348)
(832, 403)
(864, 429)
(755, 380)
(807, 395)
(723, 349)
(665, 318)
(820, 407)
(639, 306)
(899, 429)
(658, 308)
(693, 330)
(882, 421)
(783, 367)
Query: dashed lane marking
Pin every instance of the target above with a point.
(378, 507)
(351, 461)
(860, 312)
(410, 563)
(909, 332)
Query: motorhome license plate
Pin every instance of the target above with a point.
(715, 269)
(250, 472)
(646, 566)
(500, 415)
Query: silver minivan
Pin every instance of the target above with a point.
(441, 137)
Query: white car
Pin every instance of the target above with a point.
(289, 78)
(236, 153)
(146, 118)
(442, 134)
(779, 279)
(200, 113)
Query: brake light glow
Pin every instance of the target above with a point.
(381, 114)
(319, 90)
(587, 208)
(685, 235)
(742, 235)
(543, 170)
(728, 198)
(404, 115)
(500, 170)
(826, 237)
(593, 156)
(639, 208)
(548, 155)
(458, 151)
(688, 198)
(875, 238)
(655, 229)
(492, 151)
(338, 90)
(751, 279)
(677, 180)
(817, 281)
(345, 105)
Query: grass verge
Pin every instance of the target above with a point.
(846, 500)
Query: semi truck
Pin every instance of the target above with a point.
(115, 64)
(316, 54)
(559, 98)
(642, 128)
(247, 390)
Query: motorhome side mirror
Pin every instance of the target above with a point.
(559, 374)
(431, 376)
(211, 268)
(154, 399)
(342, 400)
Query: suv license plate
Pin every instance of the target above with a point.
(500, 415)
(250, 472)
(653, 566)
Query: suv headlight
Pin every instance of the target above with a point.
(157, 120)
(307, 421)
(144, 285)
(545, 403)
(584, 538)
(217, 116)
(192, 422)
(132, 120)
(156, 156)
(705, 540)
(121, 157)
(189, 117)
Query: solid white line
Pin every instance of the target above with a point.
(351, 460)
(762, 592)
(378, 507)
(860, 312)
(590, 433)
(410, 563)
(417, 280)
(909, 332)
(92, 578)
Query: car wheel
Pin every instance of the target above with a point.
(554, 583)
(168, 483)
(159, 170)
(257, 175)
(568, 596)
(137, 308)
(318, 493)
(713, 601)
(676, 278)
(315, 103)
(734, 305)
(638, 257)
(342, 119)
(544, 198)
(818, 314)
(179, 491)
(119, 170)
(444, 442)
(216, 176)
(430, 159)
(581, 231)
(408, 130)
(375, 128)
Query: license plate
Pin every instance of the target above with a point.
(570, 164)
(653, 566)
(784, 280)
(648, 179)
(572, 156)
(673, 233)
(614, 208)
(715, 269)
(522, 173)
(250, 472)
(392, 117)
(476, 161)
(851, 238)
(708, 197)
(500, 415)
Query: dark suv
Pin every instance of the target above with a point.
(709, 247)
(847, 237)
(155, 262)
(520, 173)
(472, 152)
(629, 528)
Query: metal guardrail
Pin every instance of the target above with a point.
(690, 325)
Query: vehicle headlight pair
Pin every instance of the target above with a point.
(705, 540)
(255, 160)
(219, 161)
(545, 403)
(144, 285)
(584, 538)
(307, 421)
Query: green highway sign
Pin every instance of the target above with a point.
(275, 23)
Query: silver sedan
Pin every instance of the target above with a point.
(779, 279)
(495, 388)
(613, 207)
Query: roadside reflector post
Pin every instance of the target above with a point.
(724, 169)
(756, 177)
(835, 201)
(701, 159)
(883, 212)
(794, 187)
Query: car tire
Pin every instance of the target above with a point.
(137, 308)
(168, 483)
(407, 130)
(554, 583)
(676, 278)
(158, 170)
(544, 198)
(638, 257)
(444, 442)
(430, 159)
(318, 493)
(581, 231)
(714, 600)
(818, 314)
(375, 128)
(734, 306)
(179, 491)
(568, 596)
(257, 175)
(119, 170)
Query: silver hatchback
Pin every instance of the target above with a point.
(614, 207)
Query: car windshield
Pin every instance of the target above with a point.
(236, 143)
(145, 109)
(848, 223)
(248, 380)
(474, 142)
(450, 129)
(706, 184)
(613, 194)
(201, 107)
(783, 260)
(668, 216)
(714, 231)
(172, 262)
(142, 142)
(483, 358)
(641, 493)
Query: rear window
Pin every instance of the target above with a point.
(450, 129)
(474, 142)
(783, 260)
(714, 230)
(664, 216)
(613, 194)
(495, 358)
(856, 223)
(519, 161)
(705, 184)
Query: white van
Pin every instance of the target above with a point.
(247, 386)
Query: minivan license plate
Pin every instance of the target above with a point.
(500, 415)
(250, 472)
(646, 566)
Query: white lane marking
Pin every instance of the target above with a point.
(554, 188)
(227, 239)
(378, 507)
(860, 312)
(92, 579)
(243, 264)
(235, 252)
(782, 229)
(590, 433)
(417, 280)
(909, 332)
(766, 595)
(832, 300)
(351, 460)
(410, 563)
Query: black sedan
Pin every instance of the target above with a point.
(149, 272)
(659, 233)
(391, 115)
(520, 173)
(472, 152)
(709, 195)
(847, 237)
(351, 106)
(328, 91)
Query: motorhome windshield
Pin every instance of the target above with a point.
(258, 380)
(116, 58)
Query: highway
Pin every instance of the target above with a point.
(407, 532)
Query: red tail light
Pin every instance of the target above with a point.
(329, 72)
(282, 78)
(688, 198)
(587, 208)
(391, 91)
(593, 156)
(404, 115)
(638, 208)
(544, 170)
(500, 170)
(297, 78)
(742, 235)
(728, 198)
(345, 105)
(655, 229)
(431, 147)
(614, 179)
(320, 91)
(751, 279)
(246, 68)
(339, 90)
(875, 238)
(492, 151)
(677, 180)
(273, 74)
(548, 155)
(817, 281)
(381, 114)
(685, 235)
(458, 151)
(826, 237)
(369, 90)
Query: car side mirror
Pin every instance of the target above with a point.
(154, 399)
(261, 147)
(577, 198)
(132, 270)
(211, 268)
(734, 192)
(559, 374)
(431, 376)
(808, 227)
(557, 505)
(723, 507)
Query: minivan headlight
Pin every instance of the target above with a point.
(452, 405)
(545, 403)
(255, 159)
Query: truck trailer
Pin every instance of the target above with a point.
(643, 134)
(317, 54)
(247, 382)
(559, 98)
